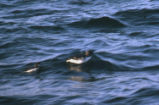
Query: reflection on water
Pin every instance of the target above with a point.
(81, 75)
(77, 68)
(77, 78)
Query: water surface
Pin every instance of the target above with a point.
(123, 69)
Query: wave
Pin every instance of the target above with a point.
(102, 22)
(139, 16)
(139, 12)
(7, 27)
(6, 23)
(79, 2)
(24, 13)
(98, 61)
(95, 63)
(2, 5)
(14, 30)
(24, 99)
(149, 95)
(47, 28)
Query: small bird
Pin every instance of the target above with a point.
(36, 67)
(80, 60)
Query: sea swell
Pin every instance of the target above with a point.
(139, 16)
(102, 22)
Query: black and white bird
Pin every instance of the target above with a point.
(80, 60)
(35, 68)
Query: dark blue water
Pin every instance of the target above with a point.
(123, 70)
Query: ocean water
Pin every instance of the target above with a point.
(124, 66)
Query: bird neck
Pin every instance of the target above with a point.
(87, 53)
(36, 65)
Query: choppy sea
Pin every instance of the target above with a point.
(123, 69)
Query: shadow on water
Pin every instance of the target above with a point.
(25, 100)
(139, 16)
(103, 22)
(137, 97)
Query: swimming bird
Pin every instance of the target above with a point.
(80, 60)
(36, 67)
(75, 60)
